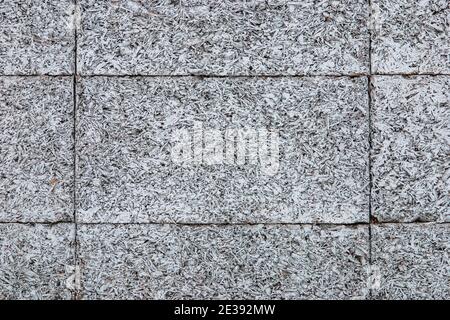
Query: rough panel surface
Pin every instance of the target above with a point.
(154, 78)
(411, 121)
(411, 36)
(261, 262)
(37, 37)
(232, 37)
(36, 149)
(126, 173)
(36, 261)
(413, 261)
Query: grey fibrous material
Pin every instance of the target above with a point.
(410, 36)
(223, 262)
(37, 37)
(224, 37)
(36, 261)
(36, 148)
(93, 207)
(411, 120)
(125, 173)
(413, 260)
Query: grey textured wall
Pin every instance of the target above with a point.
(92, 205)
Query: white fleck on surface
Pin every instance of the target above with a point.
(411, 148)
(223, 37)
(126, 174)
(413, 261)
(35, 261)
(36, 149)
(228, 262)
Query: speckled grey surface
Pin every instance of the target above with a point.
(36, 261)
(411, 36)
(36, 149)
(37, 37)
(213, 262)
(413, 261)
(223, 37)
(360, 170)
(411, 148)
(125, 172)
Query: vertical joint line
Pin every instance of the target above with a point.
(369, 84)
(75, 72)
